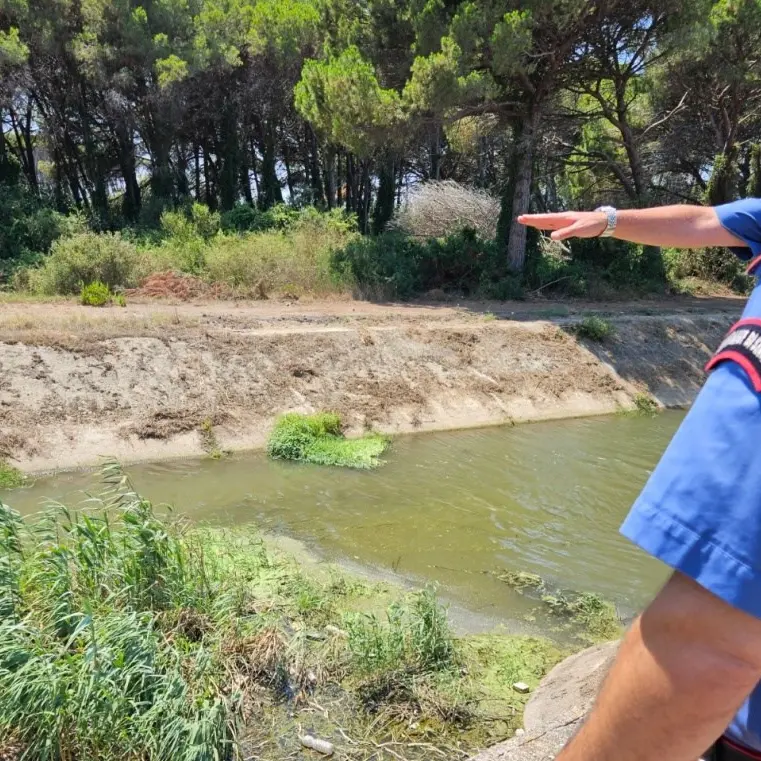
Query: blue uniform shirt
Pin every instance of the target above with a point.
(700, 512)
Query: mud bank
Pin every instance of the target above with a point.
(159, 382)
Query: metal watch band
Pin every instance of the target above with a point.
(612, 216)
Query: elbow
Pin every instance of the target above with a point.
(701, 643)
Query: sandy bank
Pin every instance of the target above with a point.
(142, 382)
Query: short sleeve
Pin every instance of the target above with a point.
(743, 219)
(700, 512)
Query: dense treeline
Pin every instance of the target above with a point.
(123, 109)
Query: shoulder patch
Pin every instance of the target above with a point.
(743, 346)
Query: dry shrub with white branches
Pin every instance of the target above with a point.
(435, 209)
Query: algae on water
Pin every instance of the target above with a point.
(319, 439)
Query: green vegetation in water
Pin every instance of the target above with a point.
(597, 618)
(95, 294)
(521, 580)
(318, 439)
(589, 617)
(10, 477)
(123, 635)
(594, 328)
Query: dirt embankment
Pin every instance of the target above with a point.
(154, 381)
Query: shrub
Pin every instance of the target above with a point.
(712, 264)
(318, 439)
(297, 260)
(198, 221)
(95, 294)
(243, 218)
(595, 329)
(86, 258)
(29, 226)
(393, 265)
(443, 208)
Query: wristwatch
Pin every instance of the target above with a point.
(612, 216)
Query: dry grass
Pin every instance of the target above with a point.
(437, 209)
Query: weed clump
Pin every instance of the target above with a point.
(595, 329)
(95, 294)
(10, 477)
(318, 439)
(645, 404)
(588, 616)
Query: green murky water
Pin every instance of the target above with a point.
(454, 508)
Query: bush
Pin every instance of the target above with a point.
(245, 218)
(595, 329)
(95, 294)
(86, 258)
(712, 264)
(393, 265)
(318, 439)
(29, 225)
(198, 221)
(296, 260)
(443, 208)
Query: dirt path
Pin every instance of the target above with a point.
(158, 380)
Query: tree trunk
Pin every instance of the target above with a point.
(210, 196)
(519, 190)
(228, 157)
(254, 171)
(436, 154)
(197, 171)
(271, 193)
(183, 189)
(384, 202)
(722, 187)
(288, 174)
(330, 177)
(318, 197)
(127, 163)
(753, 188)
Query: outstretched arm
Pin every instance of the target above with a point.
(671, 226)
(682, 671)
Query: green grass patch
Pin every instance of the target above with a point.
(10, 477)
(318, 439)
(595, 329)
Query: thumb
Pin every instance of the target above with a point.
(577, 229)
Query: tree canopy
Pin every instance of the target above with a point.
(125, 108)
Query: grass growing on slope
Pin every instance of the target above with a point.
(127, 636)
(10, 477)
(318, 439)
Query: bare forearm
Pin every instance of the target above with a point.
(647, 706)
(670, 226)
(676, 684)
(673, 227)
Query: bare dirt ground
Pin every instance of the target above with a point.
(157, 379)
